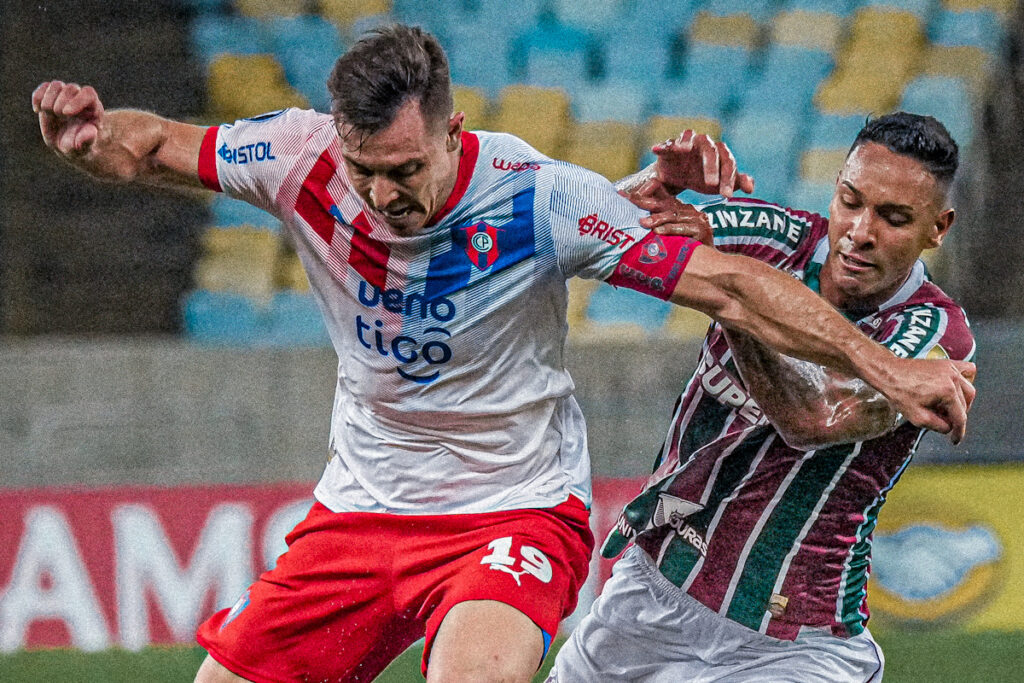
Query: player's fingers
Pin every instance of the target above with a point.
(956, 412)
(966, 369)
(709, 159)
(66, 94)
(967, 388)
(66, 139)
(727, 170)
(745, 182)
(86, 102)
(52, 91)
(85, 136)
(37, 95)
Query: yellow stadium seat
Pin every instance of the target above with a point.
(821, 165)
(343, 12)
(661, 128)
(244, 85)
(971, 64)
(538, 115)
(886, 26)
(579, 297)
(1003, 7)
(734, 29)
(290, 274)
(880, 65)
(607, 147)
(475, 104)
(686, 323)
(817, 30)
(263, 9)
(242, 260)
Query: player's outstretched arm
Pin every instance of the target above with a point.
(752, 297)
(809, 405)
(121, 146)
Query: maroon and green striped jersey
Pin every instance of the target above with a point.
(770, 536)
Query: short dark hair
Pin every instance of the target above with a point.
(386, 68)
(919, 137)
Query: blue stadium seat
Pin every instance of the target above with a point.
(643, 62)
(947, 99)
(214, 34)
(221, 319)
(787, 80)
(478, 57)
(307, 47)
(811, 196)
(207, 6)
(829, 131)
(760, 10)
(795, 62)
(979, 28)
(557, 69)
(229, 213)
(435, 16)
(838, 7)
(368, 22)
(611, 102)
(919, 8)
(609, 306)
(509, 17)
(766, 147)
(692, 98)
(716, 67)
(294, 319)
(600, 16)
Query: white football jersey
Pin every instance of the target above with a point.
(452, 392)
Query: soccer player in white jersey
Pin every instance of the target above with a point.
(455, 502)
(752, 539)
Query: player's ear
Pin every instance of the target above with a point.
(455, 124)
(938, 232)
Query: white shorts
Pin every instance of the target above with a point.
(643, 628)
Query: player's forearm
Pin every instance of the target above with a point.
(808, 405)
(781, 312)
(140, 146)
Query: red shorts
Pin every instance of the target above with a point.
(356, 589)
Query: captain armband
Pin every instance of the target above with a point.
(654, 264)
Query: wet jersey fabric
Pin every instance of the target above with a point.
(452, 394)
(769, 536)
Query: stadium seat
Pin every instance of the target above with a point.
(241, 260)
(595, 15)
(837, 132)
(293, 319)
(803, 28)
(625, 312)
(920, 8)
(654, 22)
(731, 29)
(821, 165)
(758, 10)
(344, 12)
(685, 323)
(765, 147)
(788, 78)
(233, 213)
(716, 67)
(1001, 7)
(661, 128)
(579, 297)
(557, 69)
(979, 29)
(606, 147)
(645, 62)
(478, 57)
(840, 8)
(239, 86)
(947, 99)
(213, 34)
(813, 196)
(538, 115)
(289, 273)
(265, 9)
(886, 26)
(475, 104)
(498, 13)
(610, 102)
(220, 318)
(970, 64)
(693, 97)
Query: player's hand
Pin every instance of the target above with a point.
(935, 394)
(696, 162)
(669, 216)
(70, 116)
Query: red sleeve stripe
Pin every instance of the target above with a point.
(208, 160)
(654, 264)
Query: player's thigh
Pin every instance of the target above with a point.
(485, 640)
(213, 671)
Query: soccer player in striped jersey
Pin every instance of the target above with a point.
(751, 543)
(455, 502)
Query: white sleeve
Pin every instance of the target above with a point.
(250, 159)
(592, 225)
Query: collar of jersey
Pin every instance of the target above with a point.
(467, 162)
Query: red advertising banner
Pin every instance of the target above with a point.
(134, 566)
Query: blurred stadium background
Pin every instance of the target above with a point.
(162, 354)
